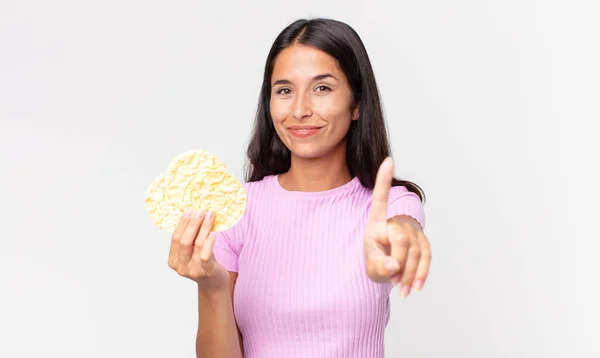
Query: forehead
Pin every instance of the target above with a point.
(299, 61)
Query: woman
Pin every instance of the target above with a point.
(327, 230)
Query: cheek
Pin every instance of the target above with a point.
(278, 112)
(337, 115)
(278, 115)
(335, 107)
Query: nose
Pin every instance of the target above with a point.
(302, 107)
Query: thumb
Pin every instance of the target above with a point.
(381, 268)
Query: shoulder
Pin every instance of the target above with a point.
(396, 193)
(401, 201)
(251, 185)
(255, 192)
(255, 188)
(401, 192)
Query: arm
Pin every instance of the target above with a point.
(218, 335)
(232, 280)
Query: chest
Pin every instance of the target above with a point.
(306, 247)
(309, 273)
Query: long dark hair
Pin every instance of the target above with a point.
(367, 139)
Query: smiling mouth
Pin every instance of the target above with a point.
(303, 131)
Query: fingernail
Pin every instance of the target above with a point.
(209, 215)
(199, 214)
(187, 213)
(417, 285)
(404, 290)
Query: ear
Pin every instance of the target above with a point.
(355, 113)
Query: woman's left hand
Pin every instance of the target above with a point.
(396, 250)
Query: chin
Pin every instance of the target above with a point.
(308, 152)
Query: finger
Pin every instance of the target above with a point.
(181, 225)
(205, 229)
(382, 268)
(379, 265)
(424, 262)
(176, 237)
(186, 244)
(203, 254)
(399, 241)
(412, 262)
(207, 249)
(379, 196)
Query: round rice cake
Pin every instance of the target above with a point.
(164, 195)
(194, 161)
(183, 167)
(218, 192)
(161, 211)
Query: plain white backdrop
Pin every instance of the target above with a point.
(492, 108)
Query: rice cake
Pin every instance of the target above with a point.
(158, 208)
(218, 192)
(183, 167)
(194, 161)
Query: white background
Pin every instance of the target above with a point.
(492, 108)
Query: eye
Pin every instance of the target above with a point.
(323, 88)
(283, 91)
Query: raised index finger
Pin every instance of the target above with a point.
(379, 198)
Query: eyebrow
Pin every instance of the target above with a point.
(316, 78)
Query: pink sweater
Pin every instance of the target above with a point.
(302, 289)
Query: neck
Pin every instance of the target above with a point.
(317, 174)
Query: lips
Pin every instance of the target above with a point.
(303, 127)
(303, 131)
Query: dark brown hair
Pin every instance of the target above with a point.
(367, 138)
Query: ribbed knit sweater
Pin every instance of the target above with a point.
(302, 289)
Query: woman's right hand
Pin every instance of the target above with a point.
(191, 252)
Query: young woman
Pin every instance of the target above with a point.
(327, 232)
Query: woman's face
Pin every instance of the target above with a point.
(310, 101)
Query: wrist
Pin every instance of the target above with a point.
(212, 293)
